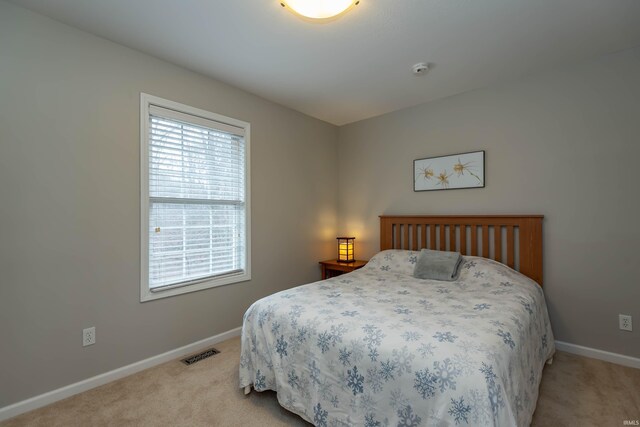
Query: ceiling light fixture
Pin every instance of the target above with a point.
(319, 9)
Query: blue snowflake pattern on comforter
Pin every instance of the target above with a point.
(378, 347)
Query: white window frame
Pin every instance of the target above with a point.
(146, 294)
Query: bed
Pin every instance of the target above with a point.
(377, 347)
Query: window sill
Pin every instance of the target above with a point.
(148, 295)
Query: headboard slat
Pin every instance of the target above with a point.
(474, 240)
(406, 235)
(401, 232)
(432, 237)
(497, 238)
(463, 239)
(452, 237)
(485, 241)
(510, 245)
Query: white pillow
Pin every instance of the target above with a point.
(394, 261)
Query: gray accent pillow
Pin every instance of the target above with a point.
(437, 265)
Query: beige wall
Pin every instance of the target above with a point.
(565, 144)
(69, 205)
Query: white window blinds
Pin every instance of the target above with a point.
(196, 199)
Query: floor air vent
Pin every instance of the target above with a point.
(200, 356)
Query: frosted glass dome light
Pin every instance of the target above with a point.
(319, 9)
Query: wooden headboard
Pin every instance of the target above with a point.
(515, 240)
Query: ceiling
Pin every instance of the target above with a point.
(359, 65)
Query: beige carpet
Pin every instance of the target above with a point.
(575, 391)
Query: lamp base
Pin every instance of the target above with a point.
(346, 262)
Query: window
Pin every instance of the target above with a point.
(195, 199)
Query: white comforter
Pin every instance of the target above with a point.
(378, 347)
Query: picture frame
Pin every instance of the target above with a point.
(450, 172)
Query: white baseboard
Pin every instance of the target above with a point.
(594, 353)
(84, 385)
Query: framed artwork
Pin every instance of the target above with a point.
(465, 170)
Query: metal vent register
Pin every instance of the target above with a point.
(200, 356)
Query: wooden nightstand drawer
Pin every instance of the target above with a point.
(332, 267)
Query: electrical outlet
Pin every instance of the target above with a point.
(89, 336)
(626, 323)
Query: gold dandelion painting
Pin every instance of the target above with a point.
(460, 169)
(443, 179)
(426, 172)
(449, 172)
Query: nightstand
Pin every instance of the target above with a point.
(332, 267)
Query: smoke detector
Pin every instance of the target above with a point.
(420, 68)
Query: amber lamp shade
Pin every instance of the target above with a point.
(346, 249)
